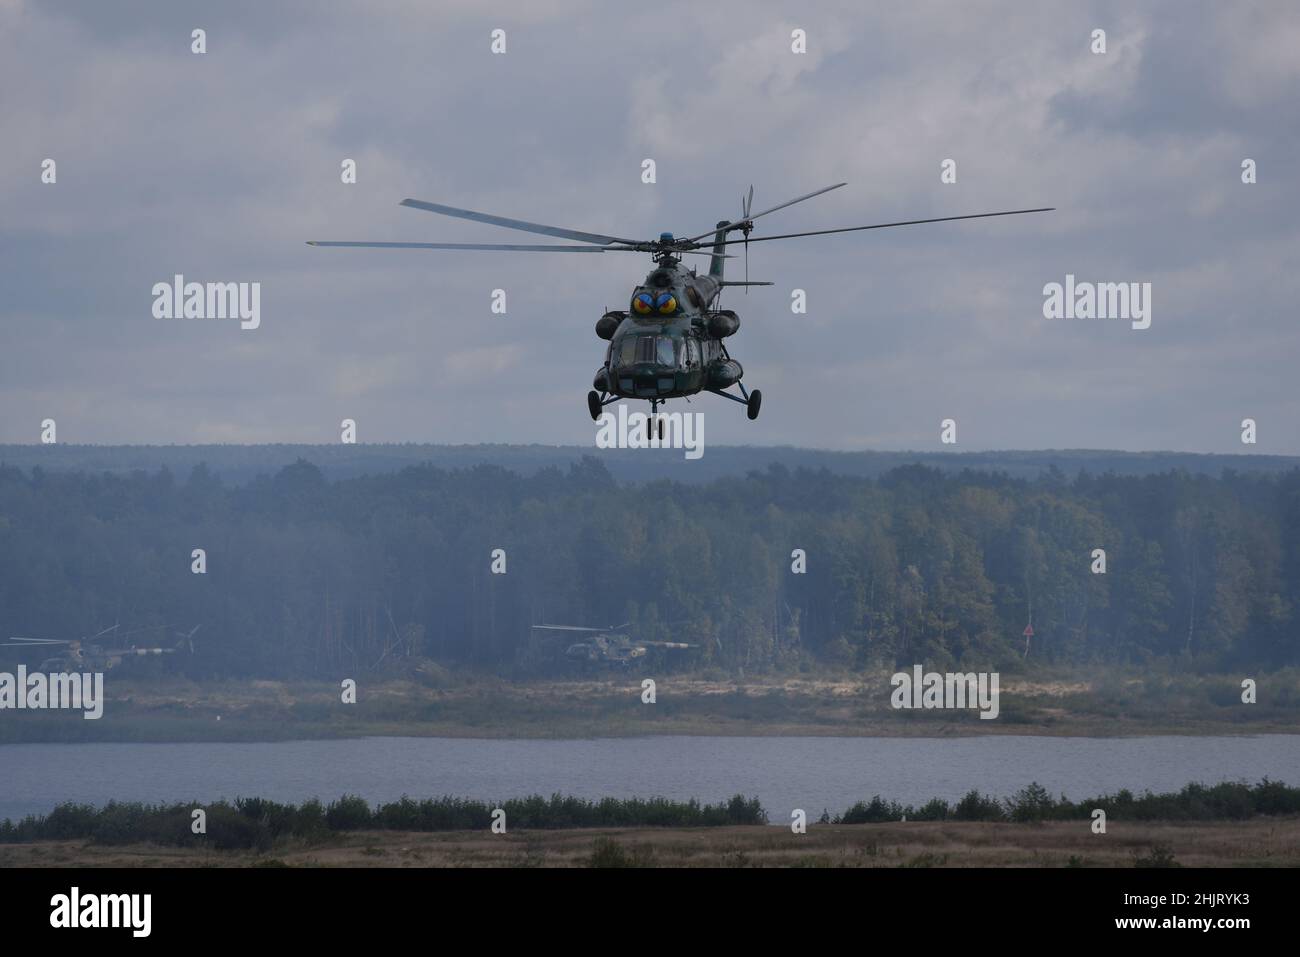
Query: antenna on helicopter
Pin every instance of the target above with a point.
(745, 203)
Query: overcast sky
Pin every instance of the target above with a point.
(220, 165)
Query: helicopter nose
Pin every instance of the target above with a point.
(654, 380)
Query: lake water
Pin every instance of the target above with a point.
(783, 772)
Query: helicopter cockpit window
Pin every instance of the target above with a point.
(658, 350)
(627, 350)
(667, 352)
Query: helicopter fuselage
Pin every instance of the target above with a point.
(669, 342)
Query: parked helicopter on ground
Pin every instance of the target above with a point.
(670, 341)
(82, 654)
(609, 646)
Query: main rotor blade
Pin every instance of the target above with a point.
(750, 219)
(910, 222)
(137, 631)
(599, 631)
(520, 224)
(17, 642)
(514, 247)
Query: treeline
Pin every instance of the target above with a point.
(238, 464)
(259, 823)
(311, 578)
(1228, 801)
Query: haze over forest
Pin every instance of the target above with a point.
(308, 574)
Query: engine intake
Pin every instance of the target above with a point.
(607, 324)
(723, 323)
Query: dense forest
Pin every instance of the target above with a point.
(307, 577)
(239, 464)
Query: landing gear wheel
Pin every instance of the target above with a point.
(754, 404)
(660, 421)
(594, 404)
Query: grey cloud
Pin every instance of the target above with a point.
(221, 166)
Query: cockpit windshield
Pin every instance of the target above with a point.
(660, 350)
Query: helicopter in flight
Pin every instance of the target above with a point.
(78, 654)
(609, 646)
(671, 340)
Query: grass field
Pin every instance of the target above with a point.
(1094, 703)
(1257, 843)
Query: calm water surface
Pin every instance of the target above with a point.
(811, 773)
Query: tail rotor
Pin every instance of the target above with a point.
(187, 639)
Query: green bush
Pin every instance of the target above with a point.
(348, 813)
(976, 807)
(1031, 803)
(229, 830)
(875, 811)
(607, 852)
(935, 810)
(1160, 855)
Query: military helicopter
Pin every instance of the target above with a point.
(669, 342)
(610, 646)
(86, 653)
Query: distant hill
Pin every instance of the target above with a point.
(238, 464)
